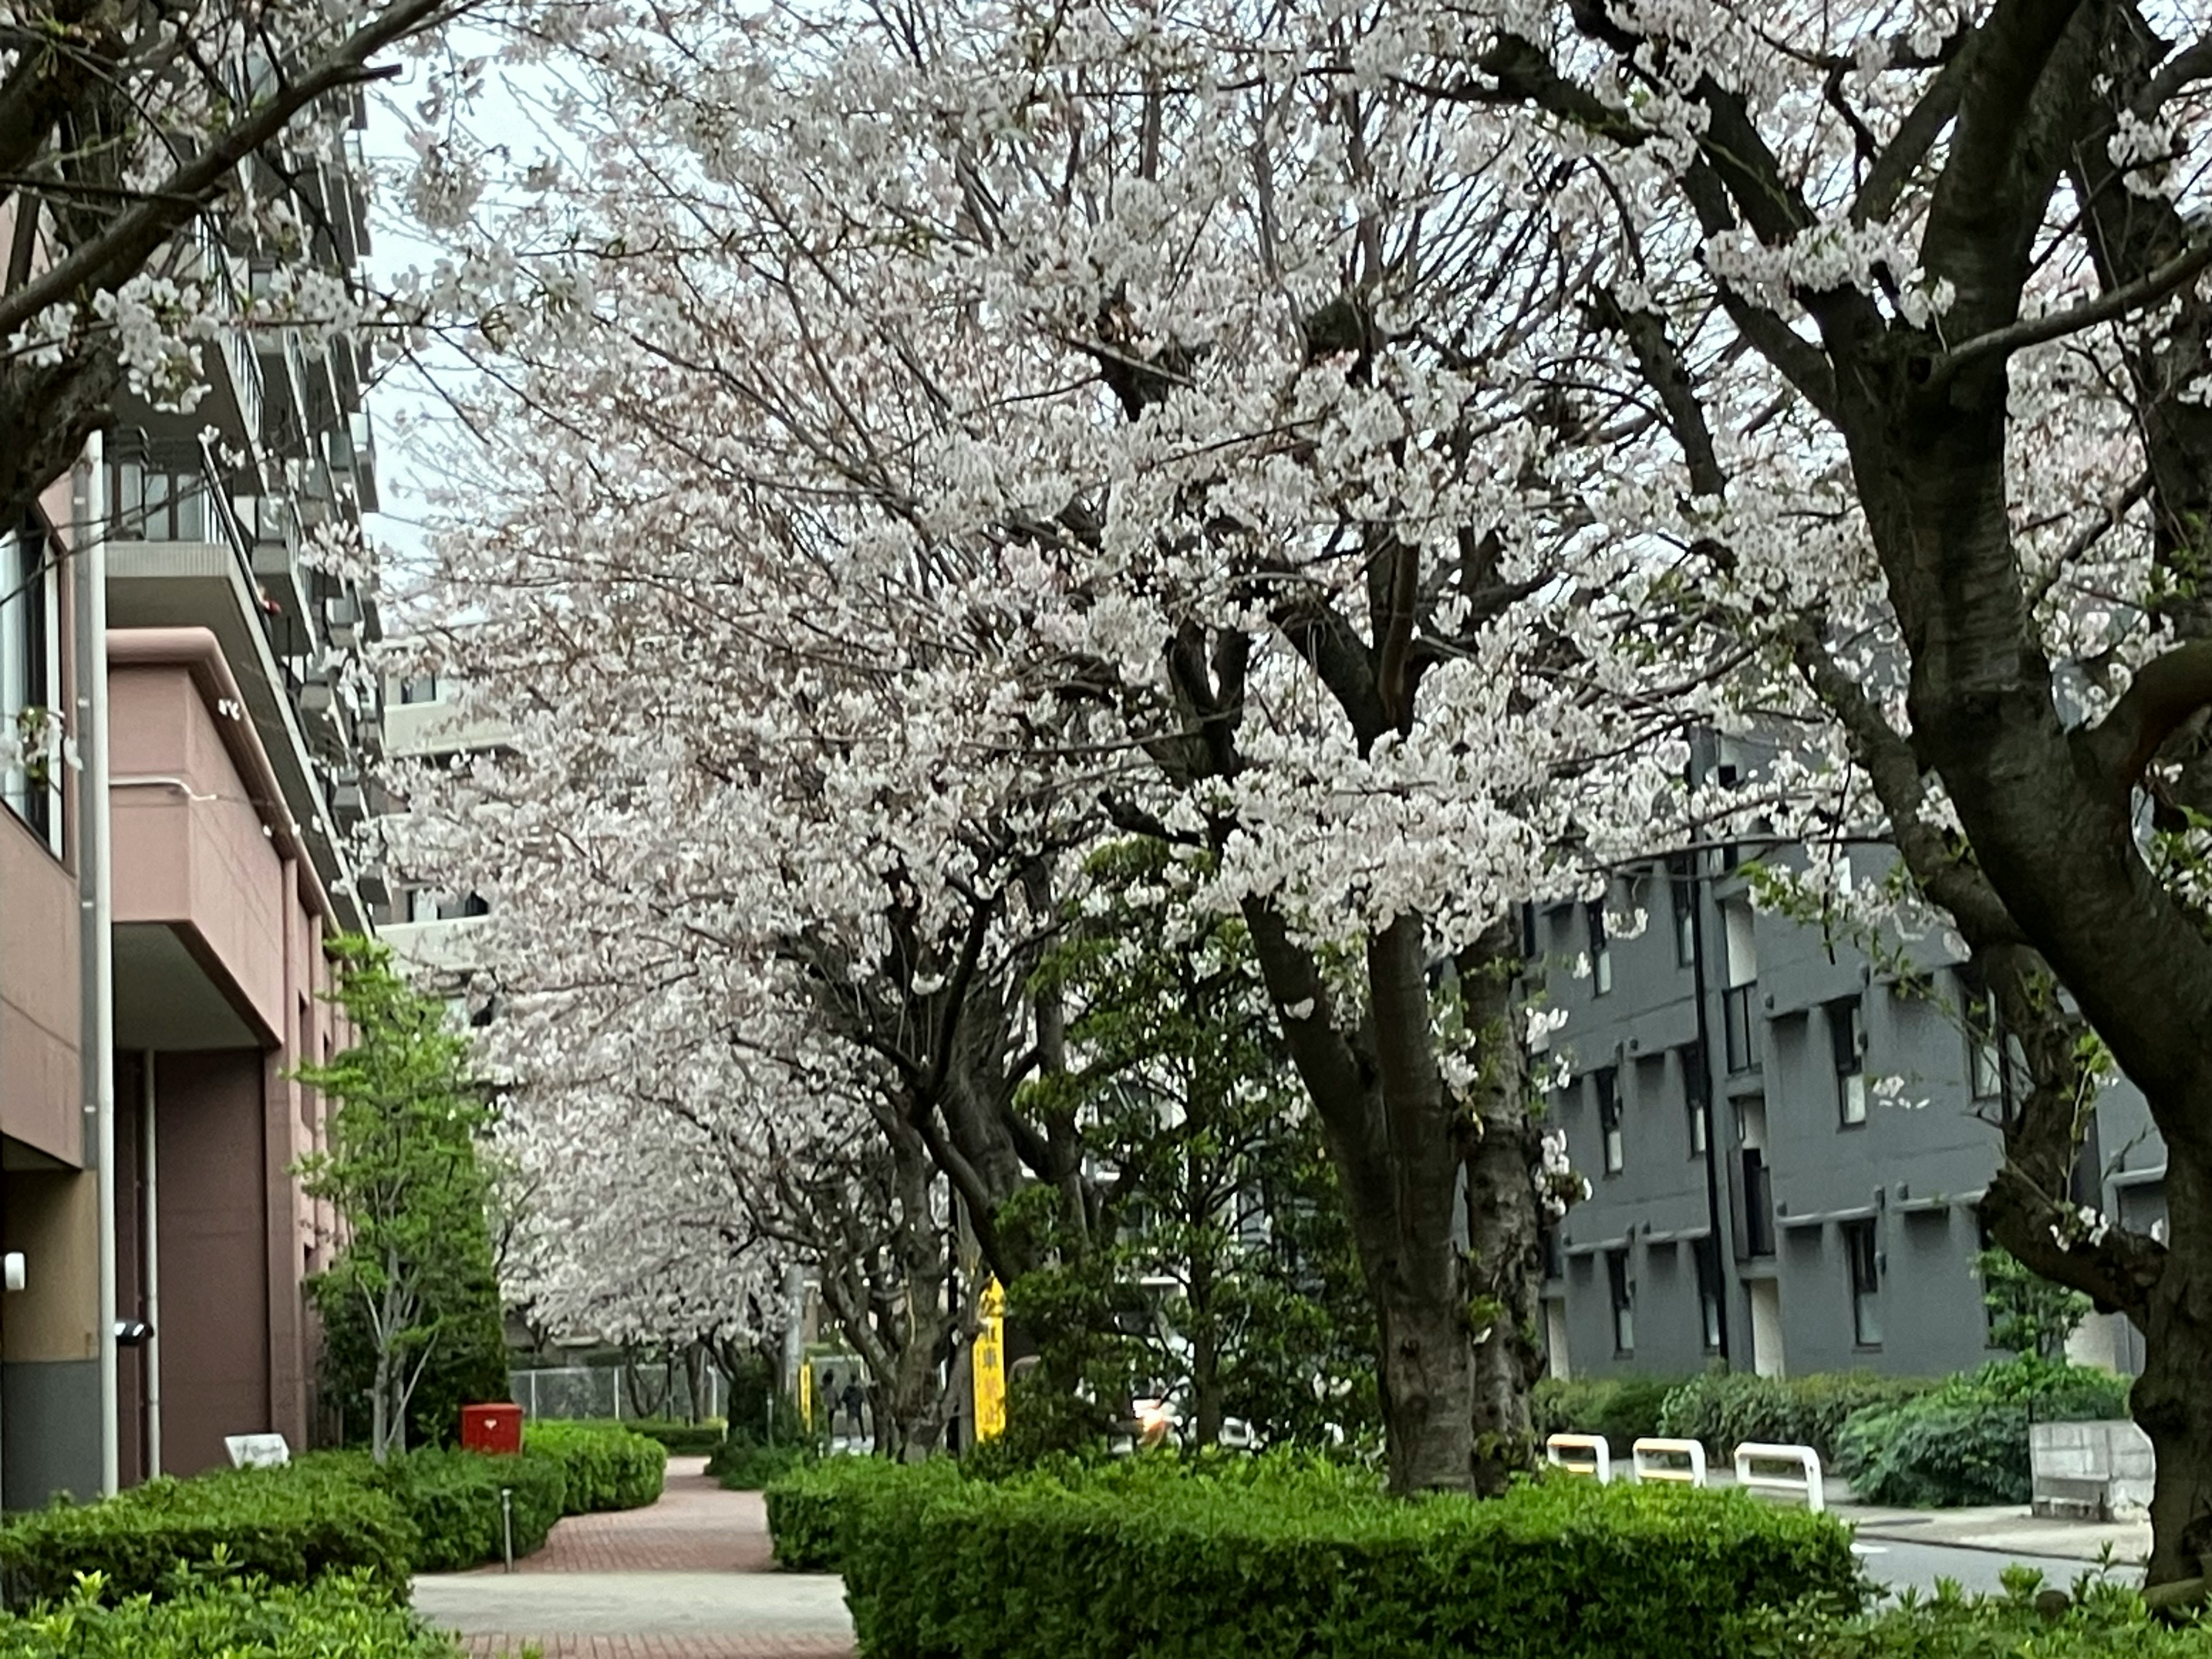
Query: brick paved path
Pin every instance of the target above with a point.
(697, 1526)
(688, 1577)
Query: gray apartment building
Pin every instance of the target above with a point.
(1755, 1201)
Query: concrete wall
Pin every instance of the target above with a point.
(48, 1338)
(40, 997)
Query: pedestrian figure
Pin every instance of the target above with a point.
(855, 1398)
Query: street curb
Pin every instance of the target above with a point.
(1915, 1536)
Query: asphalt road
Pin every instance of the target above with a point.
(1898, 1564)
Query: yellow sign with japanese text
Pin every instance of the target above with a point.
(987, 1361)
(806, 1395)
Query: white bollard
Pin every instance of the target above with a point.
(1597, 1459)
(1805, 1483)
(1646, 1456)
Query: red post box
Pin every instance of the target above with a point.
(491, 1428)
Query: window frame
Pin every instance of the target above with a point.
(1847, 1047)
(1862, 1276)
(1600, 942)
(1620, 1294)
(1697, 1097)
(1682, 894)
(1613, 1139)
(31, 650)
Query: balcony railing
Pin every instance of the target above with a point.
(1739, 1024)
(161, 495)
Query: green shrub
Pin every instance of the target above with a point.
(1276, 1556)
(1966, 1443)
(811, 1509)
(2104, 1621)
(1724, 1409)
(288, 1525)
(605, 1466)
(742, 1465)
(682, 1439)
(452, 1497)
(343, 1616)
(1624, 1409)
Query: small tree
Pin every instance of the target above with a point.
(2029, 1314)
(1215, 1259)
(414, 1271)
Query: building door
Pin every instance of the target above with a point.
(1766, 1327)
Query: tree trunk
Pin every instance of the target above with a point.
(1398, 1146)
(380, 1406)
(1506, 1261)
(1206, 1407)
(2172, 1399)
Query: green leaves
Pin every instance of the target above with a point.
(413, 1283)
(1967, 1441)
(607, 1466)
(343, 1616)
(1286, 1555)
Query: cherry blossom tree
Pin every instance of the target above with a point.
(935, 420)
(148, 156)
(1908, 301)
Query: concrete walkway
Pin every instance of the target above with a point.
(688, 1577)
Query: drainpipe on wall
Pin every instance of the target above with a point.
(96, 879)
(150, 1230)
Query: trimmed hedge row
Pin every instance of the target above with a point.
(1276, 1556)
(1725, 1409)
(2103, 1621)
(432, 1510)
(607, 1466)
(344, 1616)
(452, 1499)
(681, 1439)
(811, 1510)
(288, 1525)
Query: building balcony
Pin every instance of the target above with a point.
(178, 557)
(438, 726)
(447, 945)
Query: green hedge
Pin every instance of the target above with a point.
(607, 1466)
(1276, 1556)
(682, 1439)
(2104, 1621)
(347, 1616)
(1725, 1409)
(1967, 1442)
(289, 1525)
(452, 1499)
(810, 1511)
(1624, 1409)
(742, 1466)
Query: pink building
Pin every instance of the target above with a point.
(162, 1304)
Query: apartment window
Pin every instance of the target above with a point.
(1847, 1036)
(1683, 886)
(1709, 1293)
(30, 683)
(1865, 1268)
(1984, 1058)
(421, 688)
(1623, 1302)
(1697, 1098)
(1609, 1118)
(1601, 949)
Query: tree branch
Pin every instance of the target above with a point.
(2147, 289)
